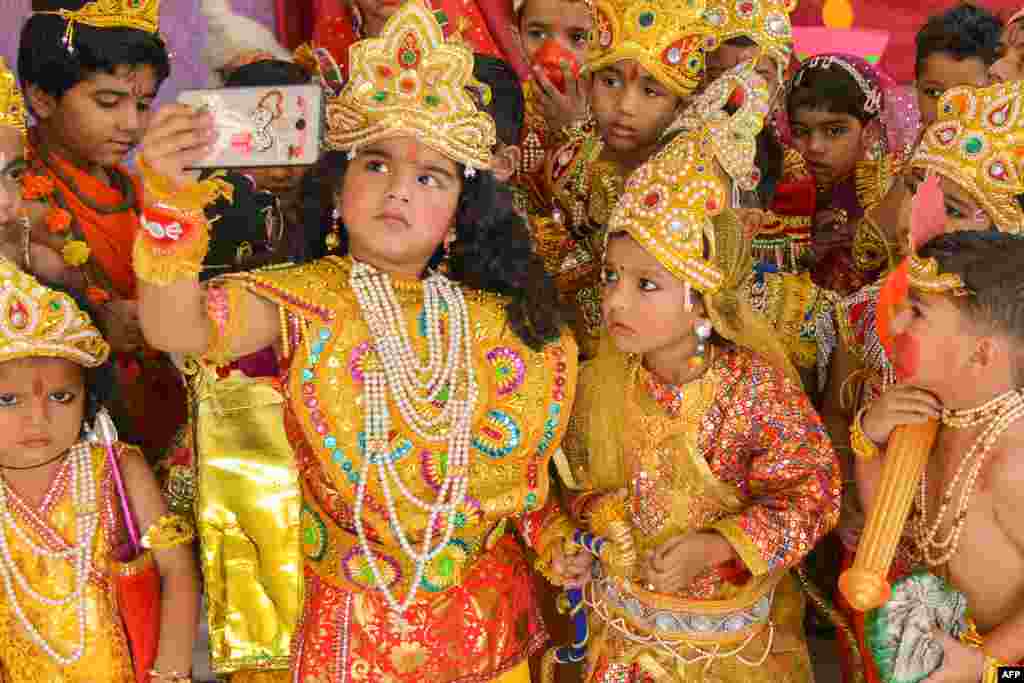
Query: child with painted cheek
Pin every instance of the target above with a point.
(553, 35)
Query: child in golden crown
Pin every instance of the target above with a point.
(423, 407)
(69, 503)
(970, 148)
(700, 453)
(644, 61)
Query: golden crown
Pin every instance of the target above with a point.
(732, 137)
(667, 207)
(978, 143)
(409, 81)
(766, 22)
(39, 322)
(12, 104)
(669, 38)
(142, 15)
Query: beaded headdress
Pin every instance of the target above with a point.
(766, 22)
(732, 138)
(12, 104)
(141, 15)
(860, 71)
(669, 38)
(409, 81)
(39, 322)
(978, 143)
(667, 207)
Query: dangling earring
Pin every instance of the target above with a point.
(333, 240)
(702, 328)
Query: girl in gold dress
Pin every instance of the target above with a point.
(702, 453)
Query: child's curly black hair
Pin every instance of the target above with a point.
(492, 251)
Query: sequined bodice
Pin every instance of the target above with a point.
(517, 424)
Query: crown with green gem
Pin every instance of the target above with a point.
(669, 38)
(12, 104)
(39, 322)
(978, 143)
(409, 81)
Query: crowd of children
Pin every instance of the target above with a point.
(639, 320)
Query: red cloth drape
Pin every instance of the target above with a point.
(902, 18)
(486, 24)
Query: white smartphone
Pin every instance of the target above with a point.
(264, 126)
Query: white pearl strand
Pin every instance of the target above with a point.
(1000, 413)
(86, 524)
(401, 371)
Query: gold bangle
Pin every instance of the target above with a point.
(195, 196)
(168, 532)
(992, 665)
(863, 447)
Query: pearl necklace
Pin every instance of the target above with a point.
(999, 414)
(412, 383)
(86, 524)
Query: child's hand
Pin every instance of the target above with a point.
(960, 663)
(573, 569)
(562, 109)
(179, 137)
(674, 564)
(899, 405)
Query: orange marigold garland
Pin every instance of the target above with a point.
(75, 252)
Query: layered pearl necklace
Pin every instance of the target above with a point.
(415, 387)
(83, 491)
(997, 415)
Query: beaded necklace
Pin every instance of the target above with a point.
(997, 415)
(86, 524)
(446, 377)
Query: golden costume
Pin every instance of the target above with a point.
(408, 489)
(59, 618)
(738, 451)
(667, 39)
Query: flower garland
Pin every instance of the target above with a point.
(59, 221)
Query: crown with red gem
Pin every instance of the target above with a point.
(978, 143)
(409, 81)
(669, 38)
(667, 207)
(141, 15)
(732, 136)
(766, 22)
(39, 322)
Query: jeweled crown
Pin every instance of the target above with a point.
(410, 81)
(667, 207)
(142, 15)
(731, 135)
(669, 38)
(766, 22)
(12, 104)
(978, 143)
(39, 322)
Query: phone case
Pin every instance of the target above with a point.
(264, 126)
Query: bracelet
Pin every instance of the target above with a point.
(991, 671)
(168, 532)
(158, 676)
(195, 196)
(863, 447)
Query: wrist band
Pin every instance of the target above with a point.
(863, 447)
